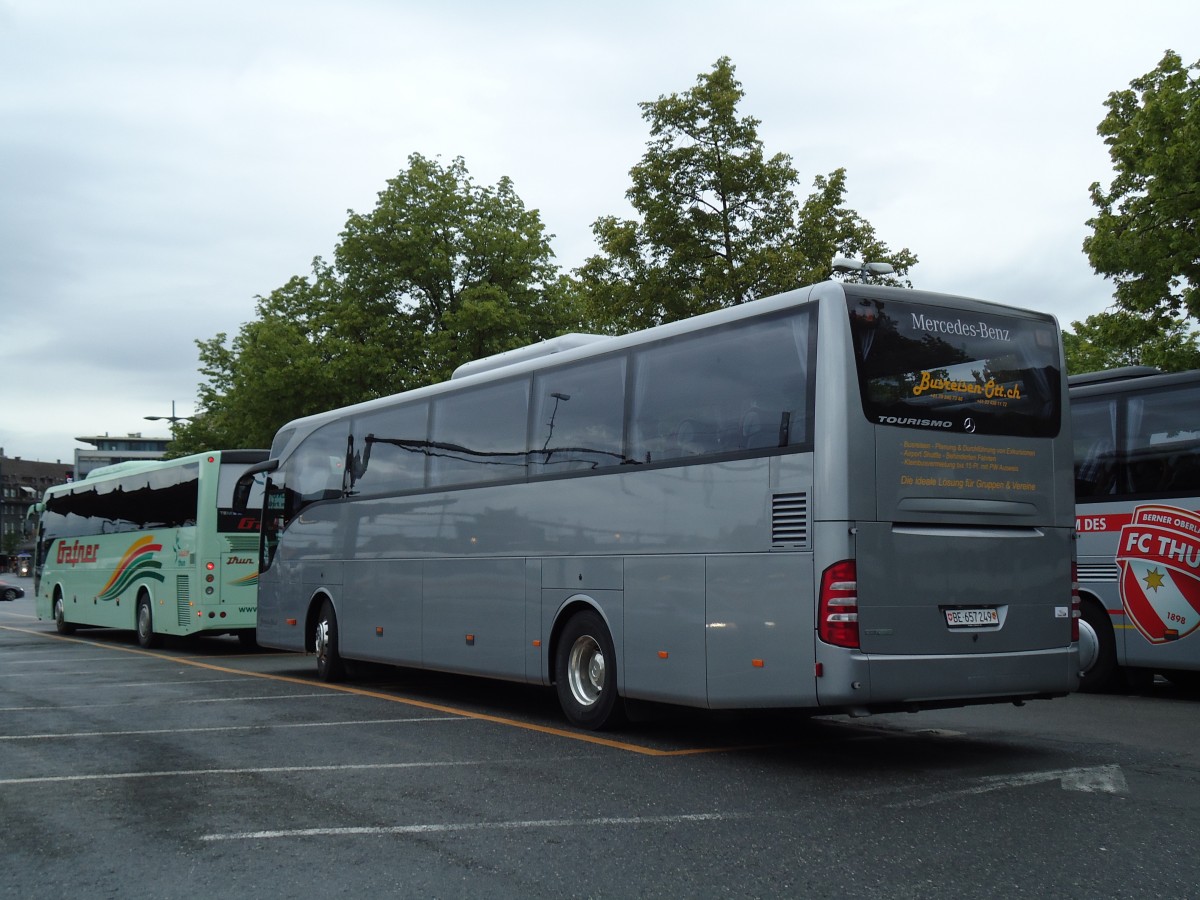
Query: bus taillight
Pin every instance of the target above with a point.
(1076, 604)
(838, 611)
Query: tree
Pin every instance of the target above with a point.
(1118, 338)
(466, 270)
(290, 361)
(1145, 234)
(441, 271)
(826, 228)
(720, 223)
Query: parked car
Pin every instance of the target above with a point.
(9, 591)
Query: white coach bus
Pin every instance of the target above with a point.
(844, 498)
(1137, 479)
(155, 546)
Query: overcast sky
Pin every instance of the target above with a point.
(162, 162)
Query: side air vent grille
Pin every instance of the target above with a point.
(183, 597)
(1104, 573)
(789, 520)
(242, 543)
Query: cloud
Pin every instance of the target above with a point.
(163, 164)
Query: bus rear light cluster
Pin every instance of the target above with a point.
(837, 616)
(1076, 603)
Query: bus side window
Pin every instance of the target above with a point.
(388, 449)
(316, 469)
(739, 388)
(578, 418)
(480, 434)
(1168, 457)
(1096, 469)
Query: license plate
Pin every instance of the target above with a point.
(972, 618)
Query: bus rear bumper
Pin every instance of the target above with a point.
(875, 683)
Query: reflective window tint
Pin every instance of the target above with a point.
(165, 498)
(316, 470)
(737, 388)
(388, 450)
(1093, 431)
(579, 417)
(1162, 442)
(479, 434)
(927, 366)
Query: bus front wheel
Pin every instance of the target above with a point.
(586, 673)
(1102, 674)
(325, 642)
(146, 637)
(61, 625)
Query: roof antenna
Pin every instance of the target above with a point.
(843, 265)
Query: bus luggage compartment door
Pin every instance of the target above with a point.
(945, 589)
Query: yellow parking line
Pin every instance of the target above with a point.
(407, 701)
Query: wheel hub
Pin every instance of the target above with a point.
(585, 671)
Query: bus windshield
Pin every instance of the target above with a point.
(927, 366)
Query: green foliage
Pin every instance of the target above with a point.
(441, 271)
(826, 228)
(1118, 338)
(720, 223)
(1144, 234)
(465, 270)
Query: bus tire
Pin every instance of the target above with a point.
(1104, 673)
(586, 673)
(146, 637)
(61, 625)
(330, 666)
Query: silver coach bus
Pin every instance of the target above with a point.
(844, 498)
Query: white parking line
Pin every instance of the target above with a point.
(99, 685)
(25, 658)
(173, 702)
(260, 770)
(442, 828)
(267, 727)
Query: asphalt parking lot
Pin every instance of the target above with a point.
(201, 769)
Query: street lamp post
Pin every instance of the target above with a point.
(172, 418)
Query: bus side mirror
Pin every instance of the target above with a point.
(245, 483)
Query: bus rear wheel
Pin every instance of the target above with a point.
(325, 642)
(146, 637)
(61, 625)
(1103, 673)
(586, 673)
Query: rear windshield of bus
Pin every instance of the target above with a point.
(947, 369)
